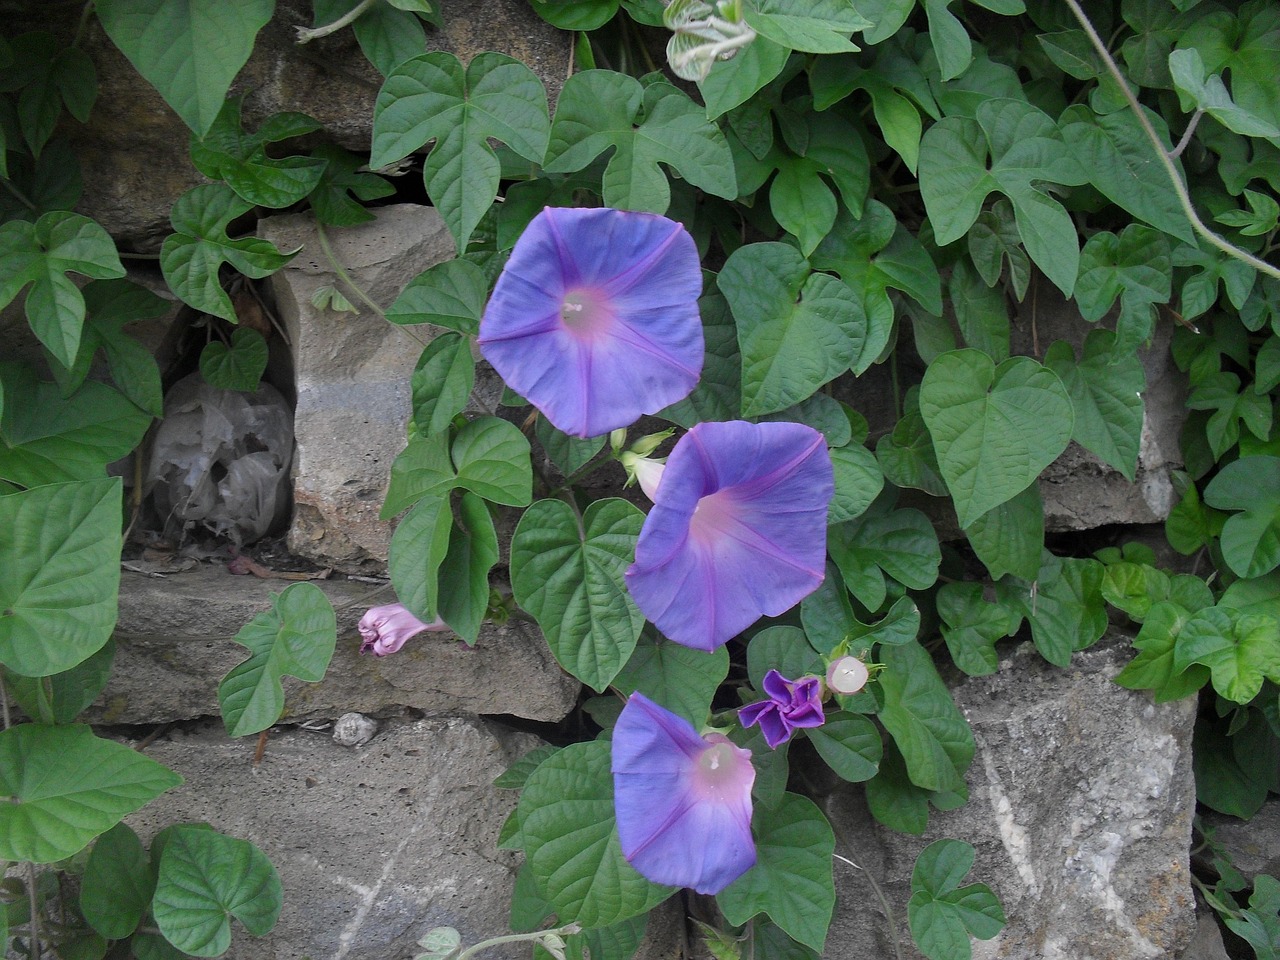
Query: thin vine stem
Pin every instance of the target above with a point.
(307, 34)
(1184, 198)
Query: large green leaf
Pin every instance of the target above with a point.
(449, 294)
(59, 574)
(1198, 90)
(189, 50)
(193, 254)
(1119, 161)
(1010, 537)
(599, 109)
(971, 626)
(823, 26)
(238, 365)
(492, 459)
(442, 382)
(118, 882)
(433, 97)
(858, 480)
(783, 648)
(51, 439)
(61, 697)
(1240, 650)
(796, 329)
(567, 571)
(1064, 605)
(1244, 41)
(1008, 146)
(994, 428)
(1250, 538)
(1153, 668)
(419, 547)
(791, 881)
(925, 723)
(110, 305)
(422, 468)
(850, 744)
(296, 637)
(944, 915)
(677, 677)
(1105, 387)
(62, 786)
(571, 841)
(41, 254)
(204, 880)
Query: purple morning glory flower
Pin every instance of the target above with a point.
(594, 319)
(792, 704)
(738, 530)
(385, 629)
(683, 802)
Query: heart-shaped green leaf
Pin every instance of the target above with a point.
(1250, 538)
(994, 428)
(679, 678)
(296, 637)
(568, 573)
(237, 366)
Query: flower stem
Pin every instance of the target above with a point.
(537, 935)
(307, 34)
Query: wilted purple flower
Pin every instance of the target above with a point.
(792, 704)
(739, 530)
(683, 802)
(384, 629)
(594, 319)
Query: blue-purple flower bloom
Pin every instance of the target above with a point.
(385, 629)
(738, 530)
(792, 704)
(594, 319)
(683, 802)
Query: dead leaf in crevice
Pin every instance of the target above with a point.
(242, 566)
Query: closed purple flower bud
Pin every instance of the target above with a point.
(595, 320)
(384, 629)
(792, 704)
(683, 802)
(738, 530)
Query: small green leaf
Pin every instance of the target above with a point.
(824, 27)
(858, 480)
(796, 329)
(189, 51)
(971, 627)
(568, 573)
(569, 454)
(464, 575)
(41, 254)
(679, 678)
(785, 649)
(801, 201)
(442, 382)
(902, 544)
(1240, 650)
(239, 366)
(791, 881)
(204, 880)
(62, 697)
(423, 467)
(571, 841)
(419, 546)
(515, 776)
(1010, 538)
(296, 637)
(994, 428)
(932, 734)
(191, 257)
(943, 915)
(450, 294)
(1153, 668)
(116, 890)
(1250, 538)
(492, 459)
(850, 745)
(1197, 89)
(62, 786)
(344, 181)
(433, 97)
(1136, 267)
(1064, 606)
(59, 574)
(600, 109)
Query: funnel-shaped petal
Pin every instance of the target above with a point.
(385, 629)
(739, 530)
(683, 802)
(594, 319)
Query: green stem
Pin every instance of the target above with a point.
(341, 272)
(1184, 198)
(307, 34)
(20, 196)
(565, 931)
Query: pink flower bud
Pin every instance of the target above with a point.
(384, 629)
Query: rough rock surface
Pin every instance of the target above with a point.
(374, 844)
(1253, 845)
(352, 375)
(134, 148)
(1081, 799)
(174, 643)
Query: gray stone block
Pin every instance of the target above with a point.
(374, 844)
(174, 643)
(1081, 800)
